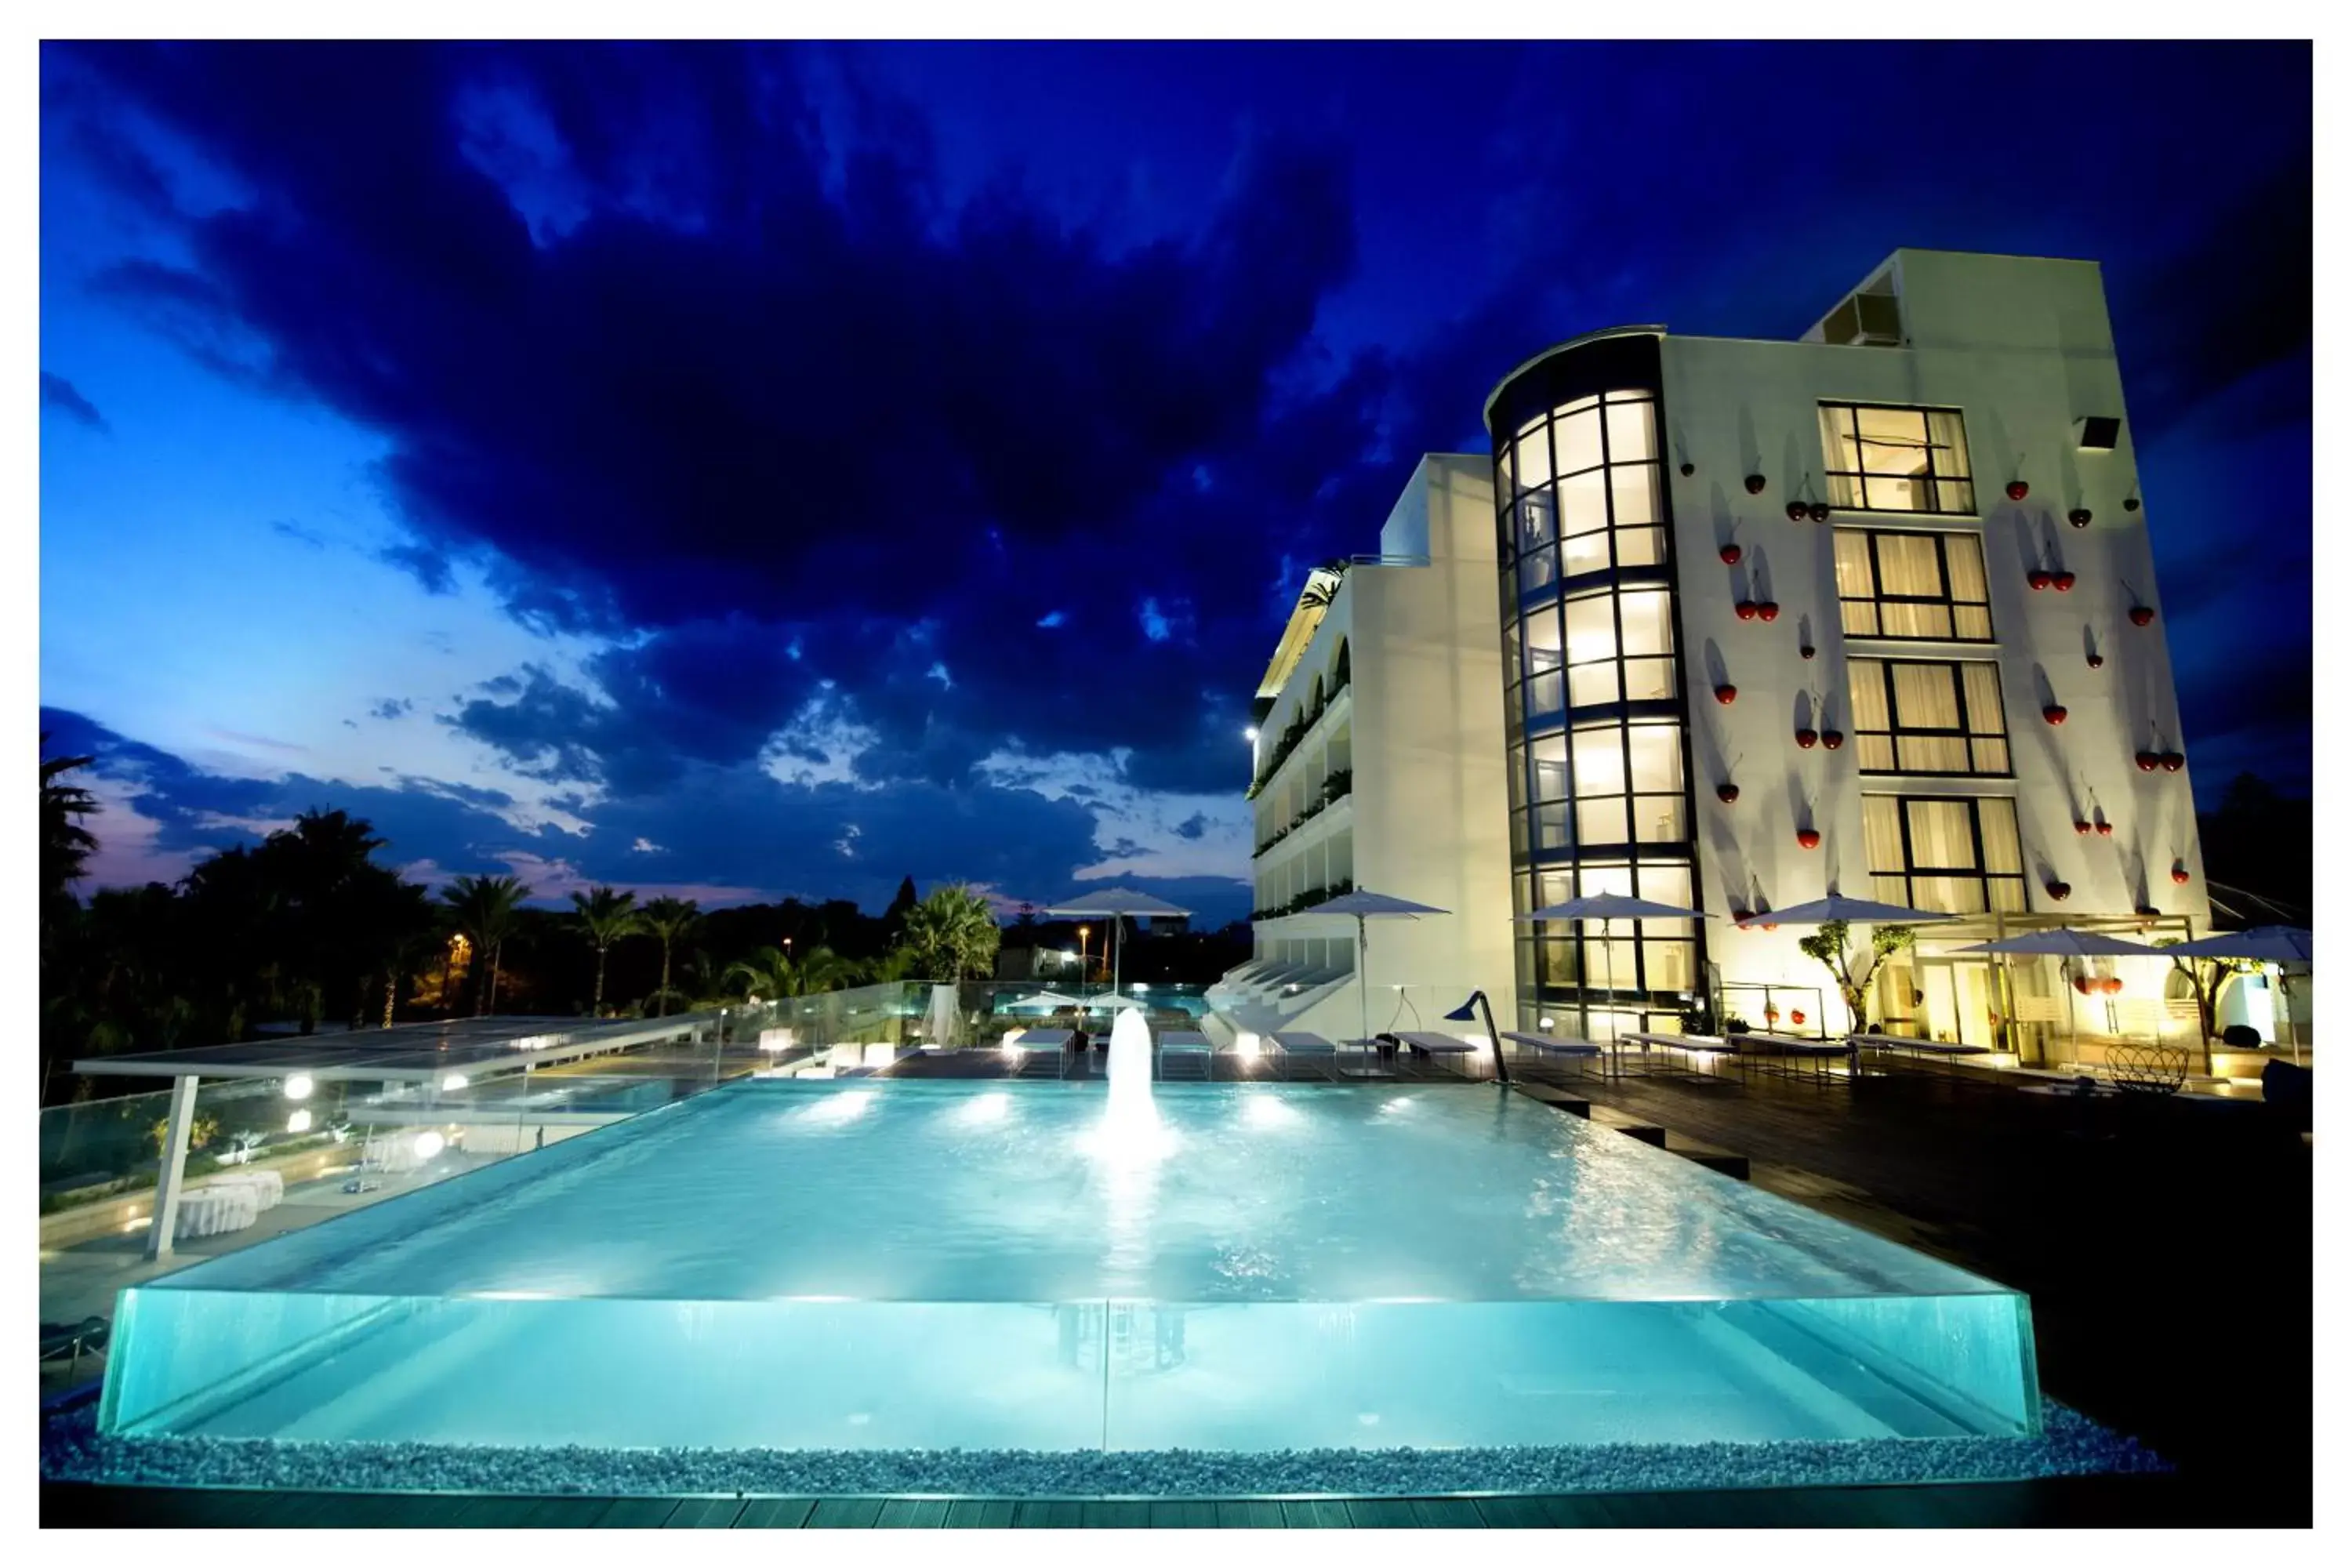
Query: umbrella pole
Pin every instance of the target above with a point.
(1363, 982)
(1609, 978)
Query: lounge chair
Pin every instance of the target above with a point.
(1916, 1048)
(1434, 1046)
(1035, 1049)
(1550, 1048)
(1312, 1048)
(1688, 1045)
(1184, 1054)
(1754, 1048)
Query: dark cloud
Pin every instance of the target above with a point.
(391, 708)
(61, 395)
(1194, 826)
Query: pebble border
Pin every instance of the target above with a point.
(72, 1449)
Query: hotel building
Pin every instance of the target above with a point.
(1872, 612)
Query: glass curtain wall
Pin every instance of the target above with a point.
(1599, 783)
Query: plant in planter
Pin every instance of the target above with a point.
(1852, 971)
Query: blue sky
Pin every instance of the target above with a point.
(775, 471)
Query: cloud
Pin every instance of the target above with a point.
(391, 708)
(61, 395)
(1193, 827)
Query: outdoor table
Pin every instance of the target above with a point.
(268, 1186)
(215, 1210)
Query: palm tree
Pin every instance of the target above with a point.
(952, 932)
(66, 843)
(484, 909)
(604, 915)
(670, 920)
(775, 973)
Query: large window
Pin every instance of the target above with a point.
(1650, 957)
(1584, 488)
(1604, 785)
(1925, 586)
(1896, 459)
(1911, 716)
(1955, 856)
(1595, 648)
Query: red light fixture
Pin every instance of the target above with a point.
(2079, 517)
(2114, 984)
(1727, 695)
(1767, 609)
(2107, 830)
(2062, 581)
(1834, 738)
(1689, 468)
(2096, 660)
(1808, 839)
(1740, 914)
(2087, 983)
(1727, 793)
(2041, 578)
(2082, 826)
(1729, 555)
(2147, 761)
(2052, 713)
(2018, 489)
(1744, 609)
(2058, 892)
(1797, 1017)
(1807, 738)
(1804, 650)
(1756, 484)
(2171, 762)
(2179, 875)
(1799, 511)
(1820, 511)
(2141, 614)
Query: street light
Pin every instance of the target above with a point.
(1082, 955)
(1250, 734)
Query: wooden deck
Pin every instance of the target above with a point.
(2100, 1502)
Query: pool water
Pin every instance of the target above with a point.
(1043, 1266)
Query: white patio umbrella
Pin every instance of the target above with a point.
(1049, 1000)
(1110, 1001)
(1365, 905)
(1118, 903)
(2065, 941)
(1605, 908)
(2264, 944)
(1838, 907)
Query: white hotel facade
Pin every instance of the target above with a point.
(1731, 624)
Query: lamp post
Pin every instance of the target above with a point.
(1082, 955)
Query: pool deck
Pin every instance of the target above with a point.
(2101, 1501)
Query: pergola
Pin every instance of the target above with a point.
(476, 1049)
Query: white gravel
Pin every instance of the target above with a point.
(73, 1450)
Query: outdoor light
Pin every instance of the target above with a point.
(2062, 581)
(1799, 511)
(429, 1143)
(1808, 839)
(2079, 517)
(1727, 694)
(298, 1087)
(454, 1080)
(1820, 511)
(2141, 614)
(2018, 490)
(1543, 1023)
(1727, 793)
(1731, 554)
(1767, 609)
(1744, 609)
(1755, 484)
(298, 1123)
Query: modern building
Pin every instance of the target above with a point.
(1872, 612)
(1376, 754)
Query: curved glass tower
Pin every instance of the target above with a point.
(1594, 707)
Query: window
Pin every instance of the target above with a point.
(1896, 459)
(1584, 490)
(1649, 956)
(1925, 586)
(1914, 717)
(1955, 856)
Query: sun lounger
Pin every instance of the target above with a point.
(1553, 1048)
(1446, 1048)
(1754, 1048)
(1313, 1049)
(1184, 1053)
(1036, 1049)
(1917, 1049)
(1687, 1045)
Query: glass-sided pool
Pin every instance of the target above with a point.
(878, 1264)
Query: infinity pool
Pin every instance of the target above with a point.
(909, 1264)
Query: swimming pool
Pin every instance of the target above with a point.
(1055, 1266)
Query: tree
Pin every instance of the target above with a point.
(605, 915)
(1827, 946)
(2207, 976)
(894, 918)
(66, 844)
(670, 920)
(484, 909)
(775, 973)
(952, 932)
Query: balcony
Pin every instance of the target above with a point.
(1330, 808)
(1307, 726)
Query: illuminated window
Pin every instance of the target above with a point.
(1654, 957)
(1954, 857)
(1926, 586)
(1896, 459)
(1584, 490)
(1915, 716)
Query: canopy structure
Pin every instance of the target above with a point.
(1118, 903)
(1363, 905)
(2065, 941)
(425, 1054)
(1049, 1000)
(1110, 1001)
(1605, 908)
